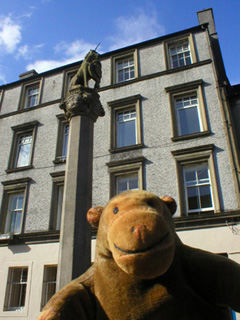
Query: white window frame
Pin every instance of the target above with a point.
(23, 140)
(190, 89)
(174, 42)
(197, 184)
(178, 52)
(128, 177)
(194, 157)
(190, 96)
(128, 116)
(125, 69)
(118, 59)
(125, 106)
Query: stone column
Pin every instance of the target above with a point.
(82, 107)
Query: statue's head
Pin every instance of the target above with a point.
(92, 55)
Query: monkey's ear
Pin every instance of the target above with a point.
(93, 215)
(170, 203)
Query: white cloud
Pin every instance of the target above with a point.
(69, 52)
(136, 28)
(10, 34)
(26, 52)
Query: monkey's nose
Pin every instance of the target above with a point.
(137, 230)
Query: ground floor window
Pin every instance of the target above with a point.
(49, 283)
(16, 289)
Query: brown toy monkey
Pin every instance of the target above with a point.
(142, 270)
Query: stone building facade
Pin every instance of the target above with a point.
(170, 127)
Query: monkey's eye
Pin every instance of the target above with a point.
(115, 210)
(150, 203)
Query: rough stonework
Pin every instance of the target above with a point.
(82, 101)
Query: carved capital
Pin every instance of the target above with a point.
(82, 101)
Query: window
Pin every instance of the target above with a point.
(125, 175)
(197, 187)
(23, 150)
(125, 123)
(126, 182)
(57, 200)
(180, 52)
(188, 110)
(22, 146)
(124, 67)
(65, 140)
(197, 180)
(62, 139)
(68, 75)
(13, 205)
(30, 95)
(180, 55)
(16, 289)
(14, 213)
(49, 284)
(126, 127)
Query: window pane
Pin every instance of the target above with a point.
(202, 173)
(205, 197)
(192, 198)
(189, 122)
(190, 176)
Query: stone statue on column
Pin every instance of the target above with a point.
(80, 99)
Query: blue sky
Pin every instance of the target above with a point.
(46, 34)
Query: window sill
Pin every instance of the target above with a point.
(19, 169)
(59, 160)
(33, 237)
(191, 136)
(128, 148)
(207, 220)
